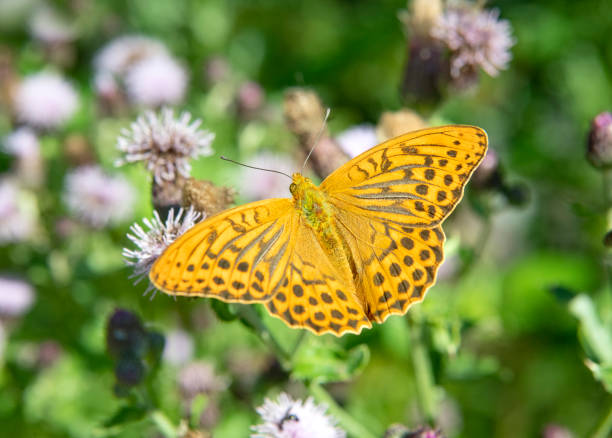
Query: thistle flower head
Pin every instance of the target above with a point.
(155, 81)
(200, 378)
(164, 143)
(96, 198)
(45, 100)
(121, 53)
(18, 213)
(599, 142)
(49, 27)
(16, 297)
(179, 347)
(288, 418)
(22, 143)
(357, 139)
(155, 239)
(476, 38)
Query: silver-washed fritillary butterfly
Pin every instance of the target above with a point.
(363, 245)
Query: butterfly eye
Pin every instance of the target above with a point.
(292, 187)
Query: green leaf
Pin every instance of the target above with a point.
(126, 414)
(602, 373)
(329, 362)
(595, 337)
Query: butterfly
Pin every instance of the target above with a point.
(363, 245)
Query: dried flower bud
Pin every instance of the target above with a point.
(207, 198)
(420, 17)
(599, 146)
(305, 116)
(392, 124)
(78, 151)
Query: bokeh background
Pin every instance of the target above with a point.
(522, 305)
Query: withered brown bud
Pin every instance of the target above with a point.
(207, 198)
(78, 151)
(599, 145)
(168, 195)
(394, 123)
(305, 116)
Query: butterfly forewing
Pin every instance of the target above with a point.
(239, 255)
(412, 180)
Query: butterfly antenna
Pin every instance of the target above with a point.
(317, 138)
(253, 167)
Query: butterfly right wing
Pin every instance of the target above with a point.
(397, 264)
(239, 255)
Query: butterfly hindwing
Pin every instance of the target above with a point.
(238, 255)
(316, 295)
(398, 263)
(412, 180)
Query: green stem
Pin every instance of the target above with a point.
(249, 314)
(423, 375)
(607, 189)
(604, 429)
(349, 424)
(163, 424)
(298, 343)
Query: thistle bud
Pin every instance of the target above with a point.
(129, 371)
(207, 198)
(125, 334)
(599, 146)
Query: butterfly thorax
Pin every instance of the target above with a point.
(318, 212)
(312, 203)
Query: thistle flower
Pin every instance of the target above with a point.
(357, 139)
(164, 143)
(599, 143)
(158, 236)
(16, 297)
(45, 100)
(269, 184)
(476, 38)
(24, 146)
(250, 98)
(121, 53)
(47, 26)
(155, 81)
(96, 198)
(288, 418)
(18, 213)
(179, 347)
(200, 378)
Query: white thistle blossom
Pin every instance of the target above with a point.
(45, 100)
(475, 38)
(97, 198)
(357, 139)
(152, 242)
(288, 418)
(22, 143)
(156, 81)
(164, 143)
(16, 297)
(121, 53)
(48, 26)
(18, 213)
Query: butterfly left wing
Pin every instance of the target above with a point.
(413, 180)
(238, 255)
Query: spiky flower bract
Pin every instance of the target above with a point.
(156, 238)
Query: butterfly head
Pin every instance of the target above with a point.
(300, 186)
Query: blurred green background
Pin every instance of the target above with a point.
(505, 350)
